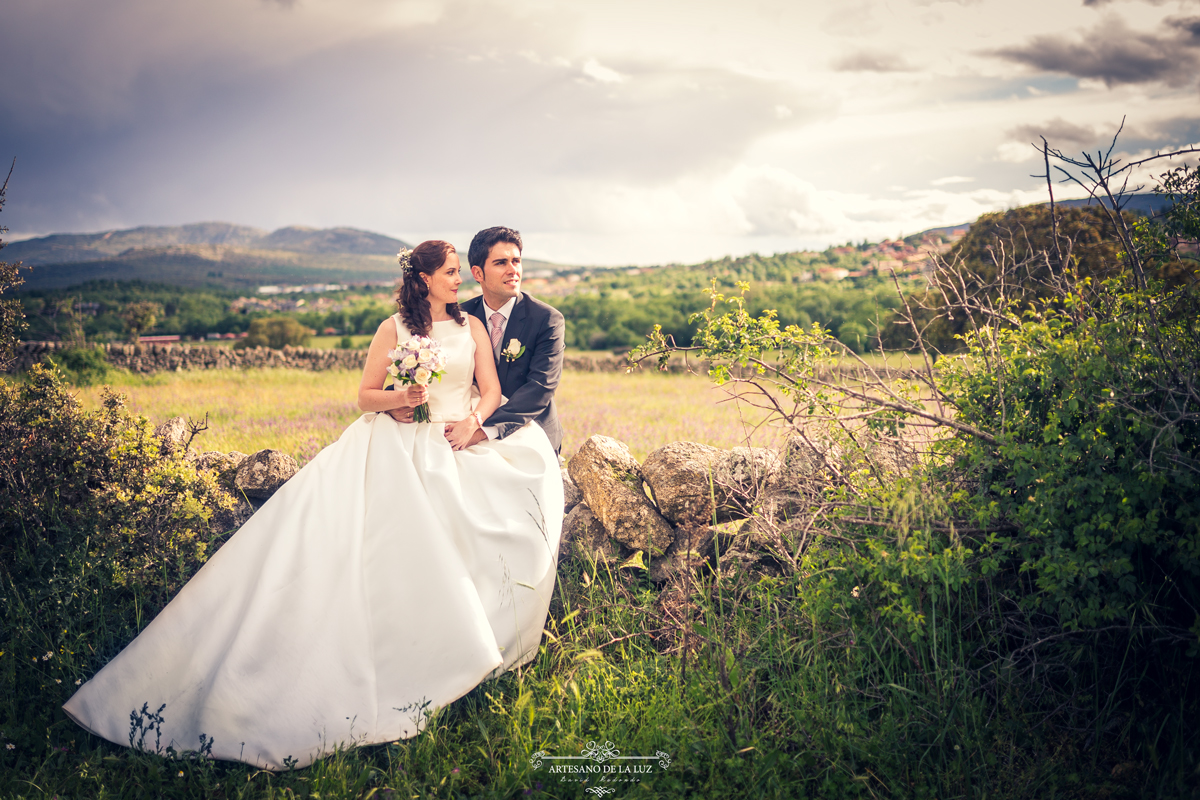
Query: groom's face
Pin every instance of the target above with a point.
(500, 275)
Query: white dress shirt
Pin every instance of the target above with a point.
(505, 311)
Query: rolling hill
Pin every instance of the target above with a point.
(208, 253)
(212, 254)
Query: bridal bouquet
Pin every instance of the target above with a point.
(419, 361)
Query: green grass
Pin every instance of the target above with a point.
(785, 685)
(763, 702)
(335, 342)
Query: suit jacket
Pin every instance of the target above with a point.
(529, 381)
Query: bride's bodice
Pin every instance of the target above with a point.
(450, 398)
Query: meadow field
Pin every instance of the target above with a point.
(301, 412)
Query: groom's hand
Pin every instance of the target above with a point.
(476, 437)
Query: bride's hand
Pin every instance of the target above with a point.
(415, 395)
(460, 434)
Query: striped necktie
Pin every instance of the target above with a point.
(497, 332)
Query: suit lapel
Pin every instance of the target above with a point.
(475, 308)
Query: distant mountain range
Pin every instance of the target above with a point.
(212, 254)
(240, 257)
(72, 248)
(207, 253)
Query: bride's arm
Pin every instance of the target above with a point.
(371, 394)
(463, 433)
(485, 370)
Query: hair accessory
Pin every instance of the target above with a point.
(405, 259)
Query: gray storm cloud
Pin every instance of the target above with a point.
(871, 61)
(437, 111)
(1058, 133)
(1116, 54)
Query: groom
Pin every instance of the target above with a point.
(527, 337)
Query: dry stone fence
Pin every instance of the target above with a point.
(685, 505)
(251, 479)
(152, 357)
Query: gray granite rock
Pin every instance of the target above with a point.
(173, 434)
(610, 480)
(571, 494)
(585, 538)
(260, 475)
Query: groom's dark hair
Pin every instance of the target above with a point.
(481, 245)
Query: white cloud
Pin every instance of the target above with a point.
(1015, 152)
(597, 71)
(951, 179)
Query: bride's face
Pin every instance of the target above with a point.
(444, 282)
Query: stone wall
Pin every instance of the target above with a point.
(619, 364)
(178, 357)
(163, 357)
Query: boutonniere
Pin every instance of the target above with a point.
(513, 350)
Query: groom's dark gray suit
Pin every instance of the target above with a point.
(529, 381)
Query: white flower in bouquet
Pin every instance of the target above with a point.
(418, 360)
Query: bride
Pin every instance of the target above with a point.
(391, 575)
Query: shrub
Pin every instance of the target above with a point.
(82, 366)
(275, 332)
(140, 317)
(12, 321)
(99, 527)
(1094, 472)
(1011, 540)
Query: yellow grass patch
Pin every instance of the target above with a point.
(300, 412)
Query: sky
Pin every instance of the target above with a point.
(610, 132)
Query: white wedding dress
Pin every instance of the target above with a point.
(386, 579)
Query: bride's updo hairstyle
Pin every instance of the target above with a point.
(412, 296)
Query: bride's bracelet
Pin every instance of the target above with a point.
(478, 421)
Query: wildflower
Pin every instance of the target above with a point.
(78, 681)
(179, 774)
(56, 680)
(454, 771)
(48, 656)
(10, 746)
